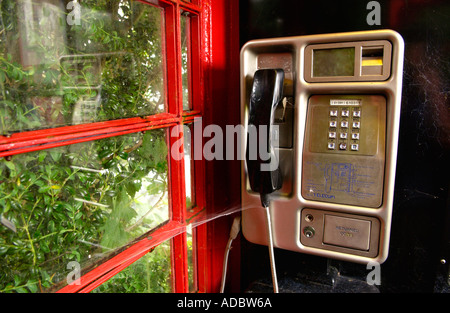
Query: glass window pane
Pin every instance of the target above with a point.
(188, 167)
(185, 59)
(149, 274)
(78, 203)
(90, 61)
(192, 264)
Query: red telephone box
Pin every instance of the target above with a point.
(65, 63)
(108, 110)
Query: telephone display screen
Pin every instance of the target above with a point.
(334, 62)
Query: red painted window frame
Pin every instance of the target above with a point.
(210, 22)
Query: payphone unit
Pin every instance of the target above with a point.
(326, 111)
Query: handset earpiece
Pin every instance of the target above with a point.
(263, 168)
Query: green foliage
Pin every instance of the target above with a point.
(109, 66)
(150, 273)
(76, 203)
(80, 202)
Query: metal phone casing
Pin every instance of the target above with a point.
(288, 204)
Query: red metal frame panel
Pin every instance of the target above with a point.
(45, 139)
(75, 129)
(222, 98)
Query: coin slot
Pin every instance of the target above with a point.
(372, 60)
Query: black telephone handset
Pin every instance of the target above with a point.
(263, 169)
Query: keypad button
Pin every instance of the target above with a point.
(344, 128)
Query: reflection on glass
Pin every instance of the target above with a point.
(149, 274)
(185, 59)
(93, 61)
(191, 258)
(78, 203)
(188, 167)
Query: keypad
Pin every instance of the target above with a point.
(344, 128)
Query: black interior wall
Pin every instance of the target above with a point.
(420, 235)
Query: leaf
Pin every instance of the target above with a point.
(64, 231)
(47, 199)
(105, 154)
(76, 254)
(114, 234)
(132, 188)
(44, 189)
(32, 287)
(60, 216)
(78, 215)
(51, 226)
(11, 166)
(3, 250)
(123, 155)
(56, 155)
(153, 150)
(39, 183)
(21, 290)
(44, 247)
(122, 208)
(31, 71)
(17, 280)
